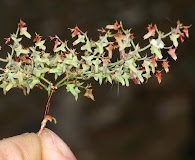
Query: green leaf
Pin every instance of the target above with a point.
(41, 45)
(173, 38)
(80, 39)
(100, 47)
(87, 46)
(146, 66)
(139, 76)
(16, 40)
(131, 65)
(60, 48)
(23, 31)
(96, 63)
(37, 72)
(3, 86)
(126, 77)
(109, 78)
(9, 86)
(19, 75)
(152, 67)
(85, 67)
(88, 59)
(34, 82)
(98, 77)
(156, 51)
(71, 60)
(125, 43)
(136, 52)
(19, 50)
(118, 77)
(146, 75)
(57, 70)
(158, 43)
(73, 89)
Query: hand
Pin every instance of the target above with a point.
(30, 146)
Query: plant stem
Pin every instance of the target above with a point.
(44, 86)
(164, 36)
(48, 101)
(12, 52)
(132, 43)
(60, 82)
(46, 81)
(146, 47)
(3, 60)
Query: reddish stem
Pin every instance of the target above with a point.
(53, 88)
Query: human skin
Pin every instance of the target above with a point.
(30, 146)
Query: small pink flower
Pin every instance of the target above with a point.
(158, 75)
(115, 26)
(153, 61)
(165, 66)
(151, 31)
(37, 38)
(7, 40)
(21, 24)
(109, 48)
(75, 31)
(171, 52)
(101, 30)
(186, 32)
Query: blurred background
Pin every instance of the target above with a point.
(143, 122)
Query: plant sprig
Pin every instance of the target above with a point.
(71, 65)
(27, 67)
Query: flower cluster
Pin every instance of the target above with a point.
(114, 57)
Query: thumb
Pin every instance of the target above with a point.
(51, 143)
(47, 146)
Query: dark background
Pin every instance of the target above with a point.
(143, 122)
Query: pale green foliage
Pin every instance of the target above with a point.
(27, 67)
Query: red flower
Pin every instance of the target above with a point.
(151, 31)
(101, 30)
(21, 24)
(131, 36)
(7, 40)
(75, 31)
(185, 30)
(37, 38)
(57, 43)
(118, 37)
(39, 86)
(105, 61)
(136, 80)
(109, 48)
(142, 68)
(153, 61)
(158, 75)
(116, 26)
(165, 66)
(181, 37)
(171, 52)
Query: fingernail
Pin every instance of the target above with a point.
(58, 143)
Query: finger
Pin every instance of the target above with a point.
(25, 146)
(51, 143)
(30, 146)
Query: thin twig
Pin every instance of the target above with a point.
(53, 88)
